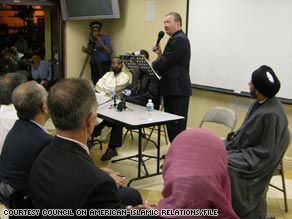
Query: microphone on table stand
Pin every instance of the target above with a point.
(122, 105)
(113, 93)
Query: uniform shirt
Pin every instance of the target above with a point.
(101, 54)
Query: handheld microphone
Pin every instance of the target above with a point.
(160, 36)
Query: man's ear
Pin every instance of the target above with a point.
(44, 107)
(90, 122)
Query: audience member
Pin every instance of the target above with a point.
(24, 142)
(143, 87)
(195, 175)
(8, 83)
(25, 67)
(256, 149)
(7, 63)
(16, 55)
(100, 50)
(72, 180)
(173, 65)
(21, 44)
(41, 70)
(113, 81)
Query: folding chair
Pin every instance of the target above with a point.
(220, 115)
(280, 171)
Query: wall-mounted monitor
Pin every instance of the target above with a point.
(89, 9)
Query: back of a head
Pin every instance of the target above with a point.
(8, 83)
(28, 98)
(144, 53)
(70, 101)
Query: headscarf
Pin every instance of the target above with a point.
(195, 174)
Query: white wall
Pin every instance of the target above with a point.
(230, 39)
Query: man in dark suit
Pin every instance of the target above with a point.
(173, 66)
(23, 143)
(64, 176)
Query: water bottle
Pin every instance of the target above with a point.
(112, 93)
(150, 108)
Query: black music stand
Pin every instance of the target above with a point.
(136, 63)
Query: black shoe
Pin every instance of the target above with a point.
(109, 154)
(270, 217)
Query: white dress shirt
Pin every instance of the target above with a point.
(8, 116)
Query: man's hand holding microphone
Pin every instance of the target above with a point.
(156, 47)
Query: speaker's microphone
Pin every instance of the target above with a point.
(160, 36)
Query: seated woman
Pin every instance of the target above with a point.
(195, 175)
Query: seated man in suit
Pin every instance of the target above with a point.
(8, 83)
(64, 175)
(143, 87)
(256, 149)
(24, 142)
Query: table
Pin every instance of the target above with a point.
(135, 117)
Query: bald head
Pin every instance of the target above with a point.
(28, 99)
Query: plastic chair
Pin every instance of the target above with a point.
(280, 171)
(220, 115)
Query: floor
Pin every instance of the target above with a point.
(150, 188)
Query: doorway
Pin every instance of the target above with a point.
(34, 27)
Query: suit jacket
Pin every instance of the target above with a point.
(21, 147)
(143, 87)
(64, 176)
(174, 65)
